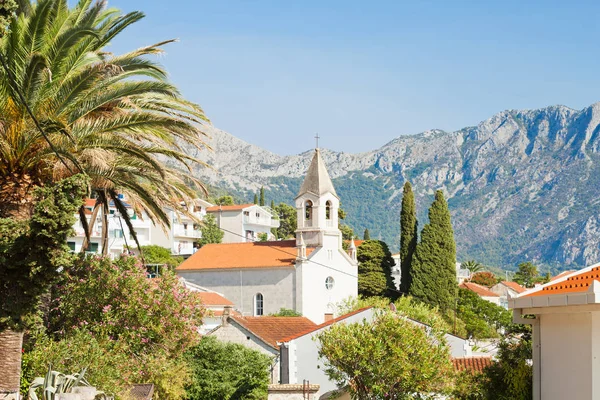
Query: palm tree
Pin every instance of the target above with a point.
(115, 118)
(473, 266)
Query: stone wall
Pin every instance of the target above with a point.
(293, 392)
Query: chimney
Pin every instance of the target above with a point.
(226, 315)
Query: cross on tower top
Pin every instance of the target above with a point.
(317, 137)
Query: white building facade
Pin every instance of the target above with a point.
(244, 222)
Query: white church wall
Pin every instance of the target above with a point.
(241, 285)
(316, 298)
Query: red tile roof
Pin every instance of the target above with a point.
(243, 255)
(272, 329)
(561, 275)
(480, 290)
(576, 283)
(514, 286)
(236, 207)
(474, 365)
(213, 299)
(323, 325)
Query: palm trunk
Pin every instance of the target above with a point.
(86, 242)
(11, 344)
(105, 213)
(15, 196)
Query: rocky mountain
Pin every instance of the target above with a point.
(521, 185)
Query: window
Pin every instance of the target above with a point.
(258, 304)
(71, 245)
(247, 213)
(257, 215)
(185, 226)
(329, 282)
(328, 210)
(93, 247)
(308, 210)
(197, 209)
(117, 233)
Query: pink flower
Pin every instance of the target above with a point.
(106, 309)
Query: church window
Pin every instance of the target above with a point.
(258, 304)
(308, 210)
(329, 282)
(328, 210)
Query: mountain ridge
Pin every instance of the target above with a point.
(520, 185)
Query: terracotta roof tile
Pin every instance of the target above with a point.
(474, 365)
(235, 207)
(243, 255)
(561, 275)
(272, 329)
(213, 299)
(480, 290)
(575, 283)
(323, 325)
(514, 286)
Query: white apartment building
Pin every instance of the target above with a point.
(184, 233)
(244, 222)
(119, 235)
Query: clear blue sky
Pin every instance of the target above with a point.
(362, 73)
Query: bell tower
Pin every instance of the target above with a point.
(317, 206)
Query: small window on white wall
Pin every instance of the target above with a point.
(329, 282)
(258, 304)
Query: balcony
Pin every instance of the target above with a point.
(262, 221)
(189, 233)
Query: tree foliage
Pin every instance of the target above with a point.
(255, 201)
(211, 233)
(511, 377)
(433, 270)
(288, 221)
(226, 371)
(375, 265)
(527, 275)
(408, 236)
(154, 254)
(363, 357)
(33, 252)
(286, 312)
(366, 235)
(262, 196)
(472, 265)
(224, 201)
(484, 278)
(483, 319)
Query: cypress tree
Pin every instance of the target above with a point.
(262, 196)
(375, 264)
(272, 204)
(255, 198)
(367, 235)
(433, 269)
(408, 236)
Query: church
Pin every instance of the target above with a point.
(309, 274)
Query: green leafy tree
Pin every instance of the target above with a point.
(484, 278)
(227, 371)
(483, 319)
(511, 377)
(272, 204)
(288, 221)
(347, 232)
(408, 236)
(211, 233)
(154, 254)
(527, 275)
(7, 10)
(263, 237)
(433, 269)
(255, 198)
(375, 263)
(361, 357)
(262, 196)
(225, 201)
(366, 235)
(286, 312)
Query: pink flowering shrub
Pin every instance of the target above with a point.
(116, 299)
(137, 328)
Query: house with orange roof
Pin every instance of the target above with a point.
(244, 222)
(481, 291)
(506, 289)
(565, 319)
(309, 274)
(261, 334)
